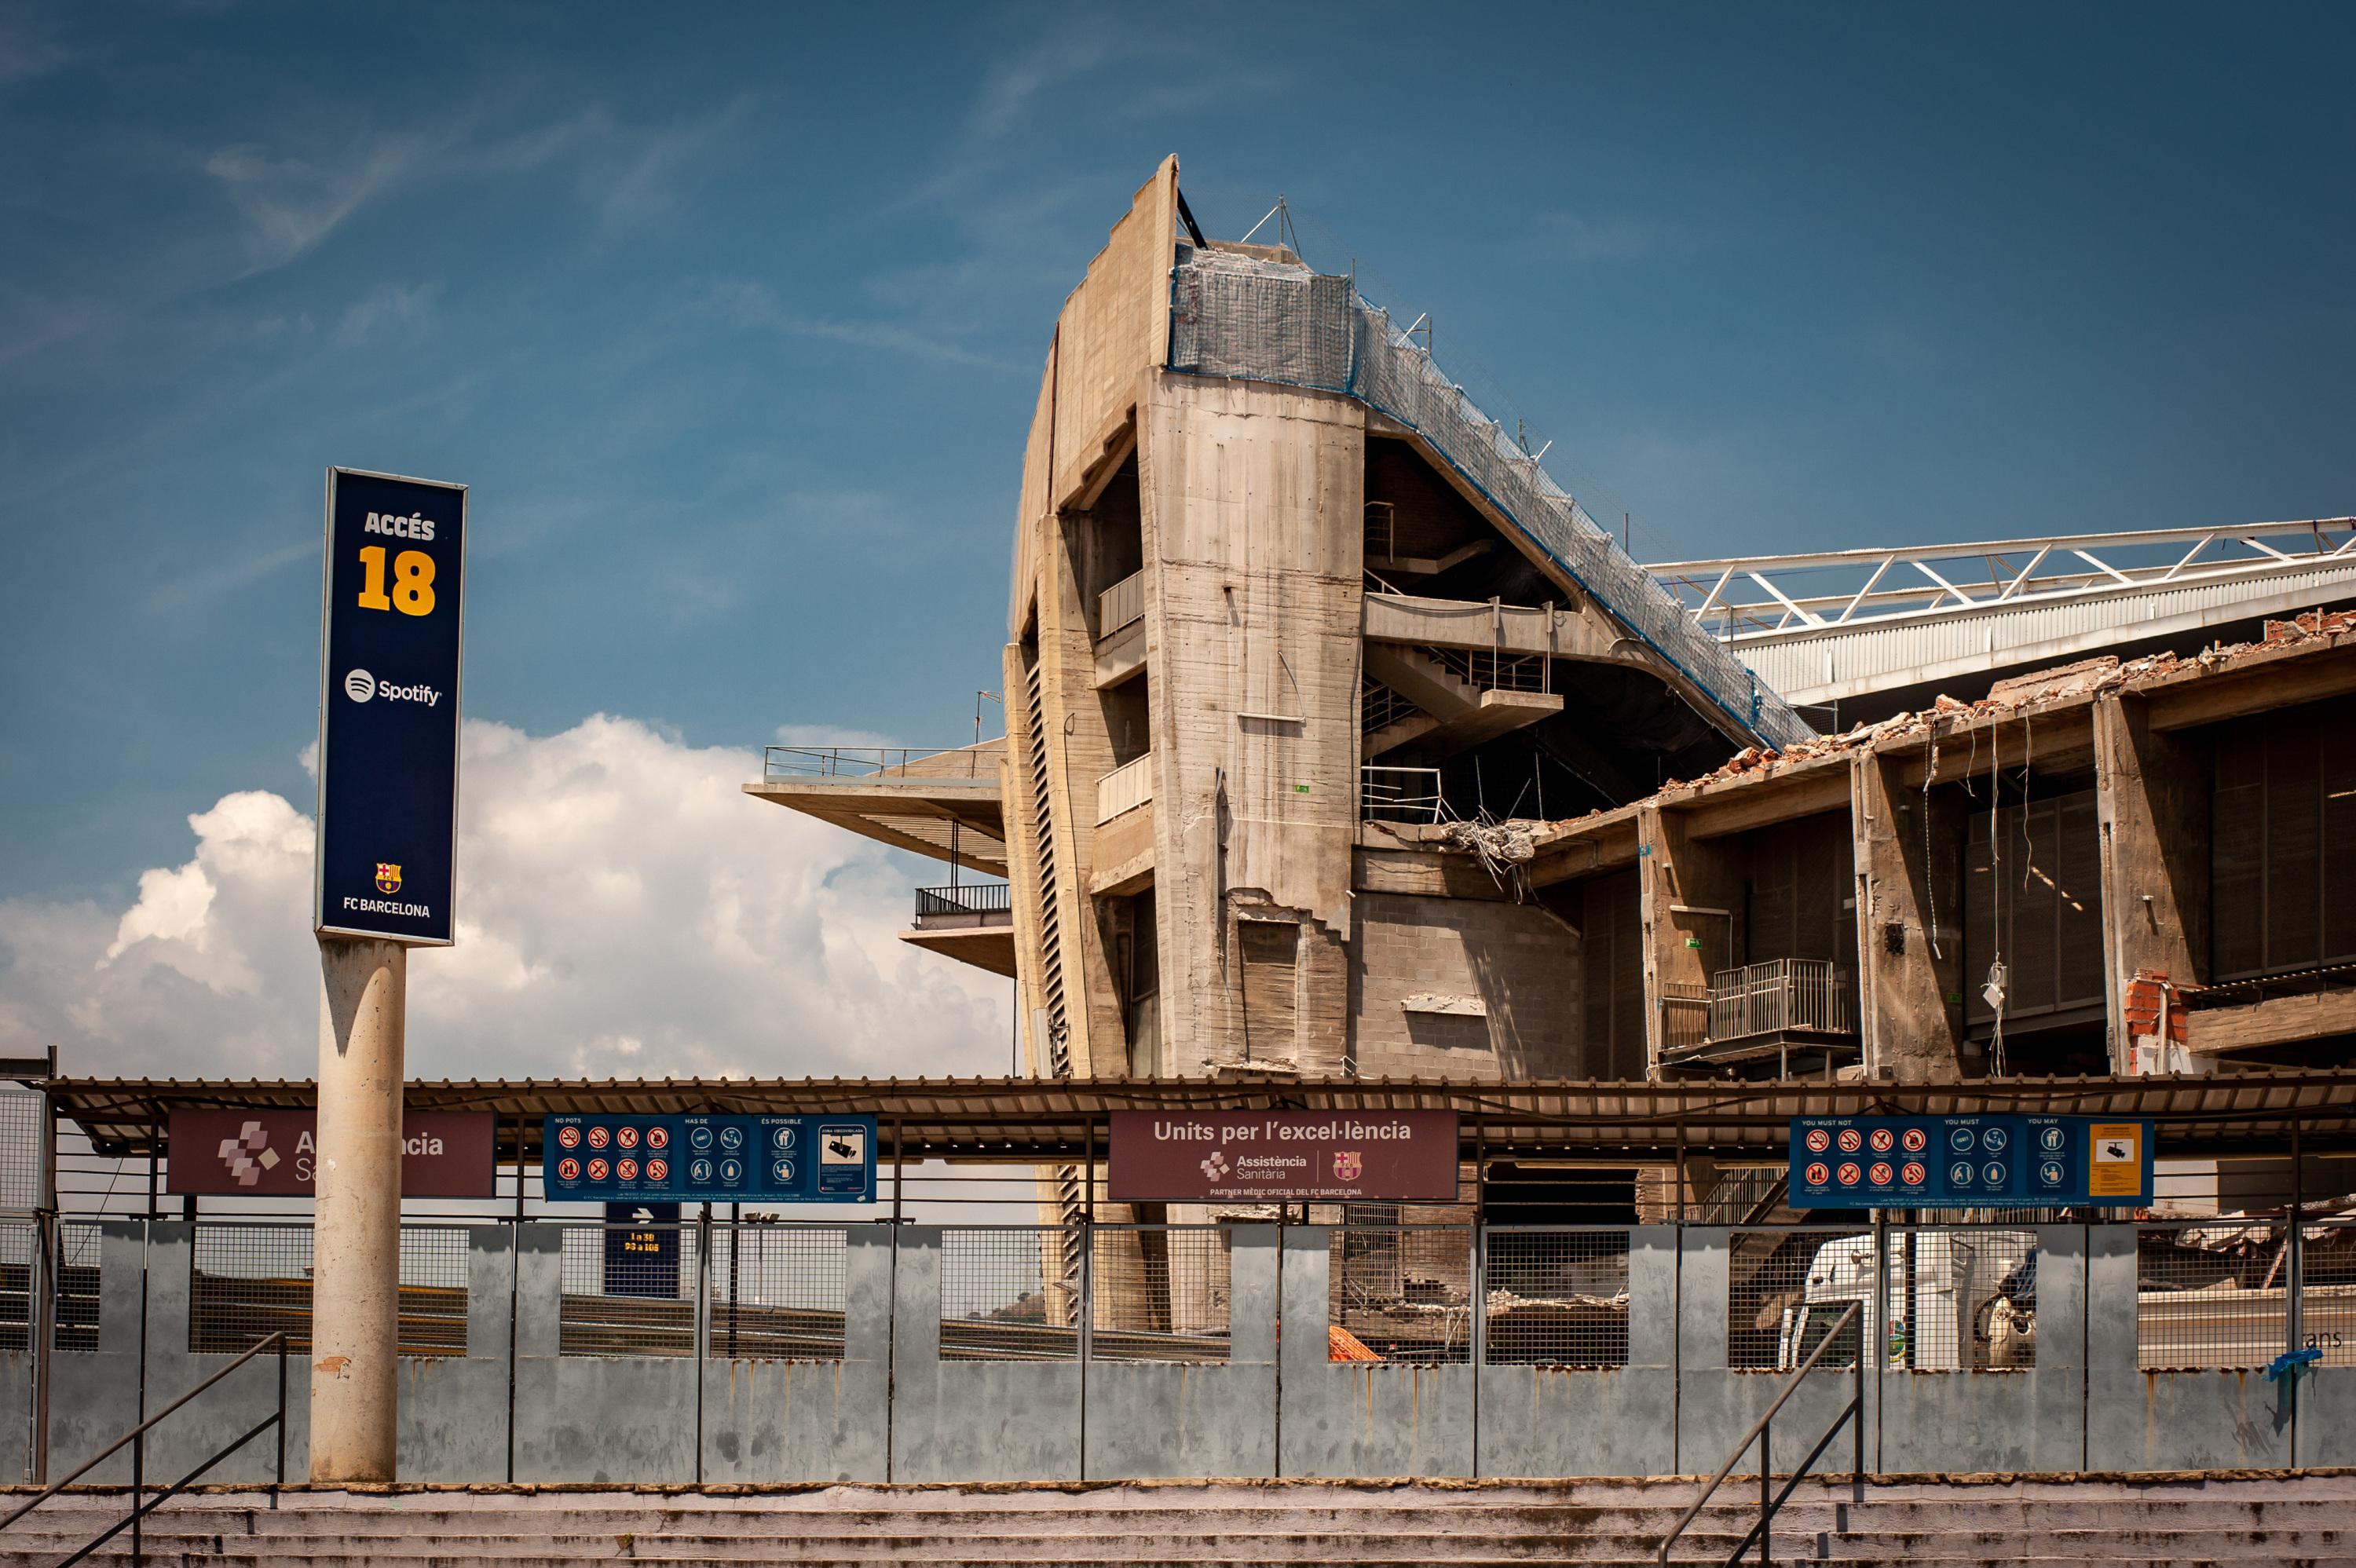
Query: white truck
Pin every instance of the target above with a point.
(1957, 1300)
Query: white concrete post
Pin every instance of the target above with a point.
(356, 1246)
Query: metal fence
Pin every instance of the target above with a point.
(79, 1278)
(1403, 1292)
(965, 898)
(628, 1290)
(1004, 1295)
(1557, 1299)
(778, 1291)
(1161, 1292)
(1400, 794)
(2212, 1293)
(1960, 1298)
(249, 1281)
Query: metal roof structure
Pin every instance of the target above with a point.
(1023, 1120)
(1825, 628)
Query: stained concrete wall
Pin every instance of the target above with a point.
(892, 1409)
(1518, 962)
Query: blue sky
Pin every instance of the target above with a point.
(733, 317)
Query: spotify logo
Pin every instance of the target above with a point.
(359, 686)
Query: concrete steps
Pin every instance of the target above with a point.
(2241, 1519)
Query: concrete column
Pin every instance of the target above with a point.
(2151, 794)
(355, 1252)
(1690, 894)
(1910, 938)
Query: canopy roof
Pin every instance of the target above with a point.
(1027, 1120)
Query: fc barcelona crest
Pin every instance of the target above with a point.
(1347, 1166)
(388, 877)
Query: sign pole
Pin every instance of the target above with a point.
(392, 638)
(356, 1263)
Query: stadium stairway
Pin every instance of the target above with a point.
(2240, 1519)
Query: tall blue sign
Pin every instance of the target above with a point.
(1969, 1162)
(393, 625)
(708, 1160)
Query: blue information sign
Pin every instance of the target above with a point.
(642, 1250)
(709, 1160)
(385, 858)
(1969, 1162)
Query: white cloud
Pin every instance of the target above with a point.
(625, 910)
(385, 310)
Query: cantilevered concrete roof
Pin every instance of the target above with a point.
(1024, 1120)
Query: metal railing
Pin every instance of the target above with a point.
(1126, 788)
(1400, 794)
(1762, 1433)
(1120, 606)
(1800, 995)
(909, 764)
(137, 1438)
(979, 899)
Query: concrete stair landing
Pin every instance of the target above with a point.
(2243, 1519)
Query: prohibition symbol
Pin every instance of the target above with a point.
(1817, 1174)
(1851, 1140)
(1913, 1173)
(1819, 1140)
(1881, 1140)
(658, 1169)
(1848, 1173)
(658, 1138)
(596, 1171)
(568, 1137)
(627, 1138)
(1913, 1139)
(568, 1168)
(1880, 1173)
(599, 1138)
(628, 1170)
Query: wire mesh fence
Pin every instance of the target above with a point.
(1785, 1290)
(1161, 1292)
(78, 1281)
(2215, 1293)
(1006, 1295)
(1556, 1298)
(1960, 1298)
(1400, 1294)
(24, 1129)
(246, 1282)
(628, 1290)
(16, 1242)
(778, 1291)
(2327, 1291)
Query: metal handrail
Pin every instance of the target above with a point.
(1769, 1499)
(137, 1438)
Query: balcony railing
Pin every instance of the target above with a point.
(964, 905)
(1756, 1009)
(1127, 786)
(1120, 604)
(1400, 794)
(1802, 995)
(944, 764)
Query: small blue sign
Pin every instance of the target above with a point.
(709, 1160)
(1951, 1162)
(642, 1250)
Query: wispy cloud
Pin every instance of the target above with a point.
(386, 310)
(292, 204)
(196, 587)
(754, 305)
(28, 48)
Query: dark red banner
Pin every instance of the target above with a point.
(1375, 1156)
(273, 1154)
